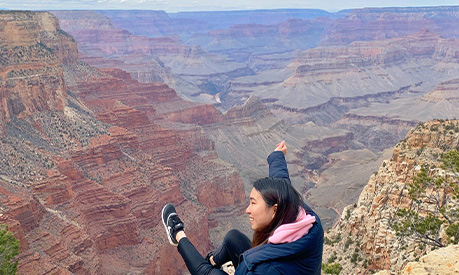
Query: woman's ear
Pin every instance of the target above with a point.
(274, 210)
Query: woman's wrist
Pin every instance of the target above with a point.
(211, 260)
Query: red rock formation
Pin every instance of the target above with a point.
(31, 76)
(145, 182)
(139, 178)
(21, 207)
(48, 242)
(201, 115)
(95, 208)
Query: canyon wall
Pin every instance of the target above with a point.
(358, 69)
(33, 75)
(87, 165)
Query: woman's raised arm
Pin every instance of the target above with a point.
(277, 163)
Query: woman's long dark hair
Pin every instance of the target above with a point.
(281, 192)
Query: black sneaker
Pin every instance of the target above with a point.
(171, 222)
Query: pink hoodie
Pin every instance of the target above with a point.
(291, 232)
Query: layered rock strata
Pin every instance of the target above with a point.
(447, 91)
(365, 227)
(359, 69)
(87, 172)
(382, 23)
(146, 147)
(188, 69)
(33, 48)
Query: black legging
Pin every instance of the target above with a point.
(234, 244)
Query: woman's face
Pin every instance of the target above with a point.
(259, 213)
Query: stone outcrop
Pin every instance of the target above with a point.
(371, 62)
(240, 40)
(381, 53)
(201, 115)
(252, 108)
(365, 227)
(49, 243)
(32, 49)
(441, 261)
(361, 71)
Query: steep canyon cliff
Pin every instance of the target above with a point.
(87, 166)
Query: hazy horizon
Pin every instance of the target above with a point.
(173, 6)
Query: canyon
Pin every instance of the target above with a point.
(300, 70)
(87, 165)
(108, 115)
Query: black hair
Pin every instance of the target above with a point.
(281, 192)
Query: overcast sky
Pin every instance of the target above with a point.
(212, 5)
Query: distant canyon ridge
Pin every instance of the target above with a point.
(107, 115)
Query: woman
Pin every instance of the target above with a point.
(287, 238)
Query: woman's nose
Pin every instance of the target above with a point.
(247, 210)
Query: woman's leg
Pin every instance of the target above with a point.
(234, 244)
(196, 264)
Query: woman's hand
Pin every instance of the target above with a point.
(281, 147)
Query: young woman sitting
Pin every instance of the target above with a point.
(287, 238)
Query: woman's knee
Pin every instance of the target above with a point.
(233, 234)
(236, 241)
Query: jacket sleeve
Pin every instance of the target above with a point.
(278, 165)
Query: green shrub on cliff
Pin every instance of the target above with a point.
(9, 248)
(331, 268)
(451, 161)
(435, 207)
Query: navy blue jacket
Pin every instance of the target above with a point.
(303, 256)
(278, 165)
